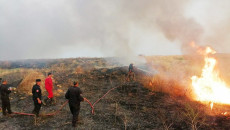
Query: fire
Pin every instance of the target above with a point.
(211, 105)
(209, 87)
(224, 113)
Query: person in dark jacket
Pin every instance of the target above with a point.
(37, 97)
(131, 67)
(131, 74)
(74, 96)
(5, 91)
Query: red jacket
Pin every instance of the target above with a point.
(48, 83)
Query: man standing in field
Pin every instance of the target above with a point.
(131, 74)
(74, 96)
(49, 88)
(131, 68)
(37, 97)
(5, 91)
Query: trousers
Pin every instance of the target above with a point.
(6, 106)
(75, 112)
(37, 107)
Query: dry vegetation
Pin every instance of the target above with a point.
(153, 101)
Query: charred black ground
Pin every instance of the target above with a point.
(131, 106)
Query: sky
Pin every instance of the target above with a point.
(40, 29)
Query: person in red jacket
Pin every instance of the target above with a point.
(49, 88)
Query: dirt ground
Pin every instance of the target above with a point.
(133, 105)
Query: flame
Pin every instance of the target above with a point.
(211, 105)
(224, 113)
(209, 87)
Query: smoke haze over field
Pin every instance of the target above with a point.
(73, 28)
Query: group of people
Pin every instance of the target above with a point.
(73, 95)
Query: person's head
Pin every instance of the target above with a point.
(4, 82)
(76, 84)
(50, 74)
(38, 82)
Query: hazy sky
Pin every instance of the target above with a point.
(80, 28)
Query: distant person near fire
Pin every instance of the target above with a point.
(131, 67)
(5, 91)
(37, 97)
(74, 96)
(49, 88)
(131, 74)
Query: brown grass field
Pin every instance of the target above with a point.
(159, 97)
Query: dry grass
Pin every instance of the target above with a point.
(173, 87)
(27, 83)
(166, 124)
(4, 72)
(173, 77)
(194, 117)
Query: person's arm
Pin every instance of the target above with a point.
(80, 96)
(39, 101)
(51, 83)
(36, 92)
(5, 89)
(67, 94)
(8, 90)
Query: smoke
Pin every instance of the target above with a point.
(102, 28)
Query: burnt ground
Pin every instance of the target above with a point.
(131, 106)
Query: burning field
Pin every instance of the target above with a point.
(179, 48)
(168, 92)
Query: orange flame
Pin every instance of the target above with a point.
(211, 105)
(209, 87)
(224, 113)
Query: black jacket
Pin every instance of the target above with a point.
(131, 67)
(37, 93)
(74, 96)
(5, 92)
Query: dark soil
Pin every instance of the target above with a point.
(130, 106)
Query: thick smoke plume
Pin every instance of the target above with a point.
(125, 28)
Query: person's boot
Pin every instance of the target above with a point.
(53, 101)
(74, 122)
(48, 102)
(10, 112)
(37, 114)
